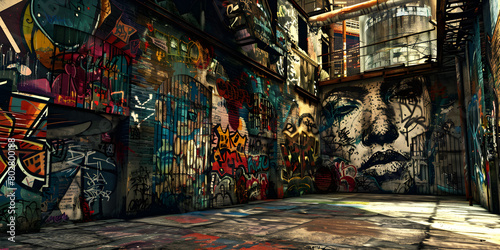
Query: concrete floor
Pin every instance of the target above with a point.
(332, 221)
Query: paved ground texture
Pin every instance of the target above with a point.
(333, 221)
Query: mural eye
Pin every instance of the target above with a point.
(407, 91)
(404, 96)
(339, 109)
(344, 110)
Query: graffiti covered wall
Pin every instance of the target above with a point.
(169, 117)
(494, 77)
(477, 128)
(490, 196)
(65, 73)
(191, 148)
(244, 146)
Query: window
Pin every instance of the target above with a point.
(303, 34)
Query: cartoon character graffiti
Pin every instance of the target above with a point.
(371, 125)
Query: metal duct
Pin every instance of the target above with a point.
(354, 11)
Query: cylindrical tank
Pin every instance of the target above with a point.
(403, 34)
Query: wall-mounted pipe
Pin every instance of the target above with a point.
(354, 11)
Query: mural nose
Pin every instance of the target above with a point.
(380, 130)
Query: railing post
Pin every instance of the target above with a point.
(407, 53)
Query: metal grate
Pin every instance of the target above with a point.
(441, 171)
(182, 144)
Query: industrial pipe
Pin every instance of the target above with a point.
(354, 11)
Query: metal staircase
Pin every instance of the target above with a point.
(455, 24)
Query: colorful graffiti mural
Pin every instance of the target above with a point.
(23, 160)
(25, 122)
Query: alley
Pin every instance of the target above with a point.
(329, 221)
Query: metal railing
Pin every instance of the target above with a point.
(412, 49)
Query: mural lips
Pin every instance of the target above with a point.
(383, 160)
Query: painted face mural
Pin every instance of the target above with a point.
(367, 131)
